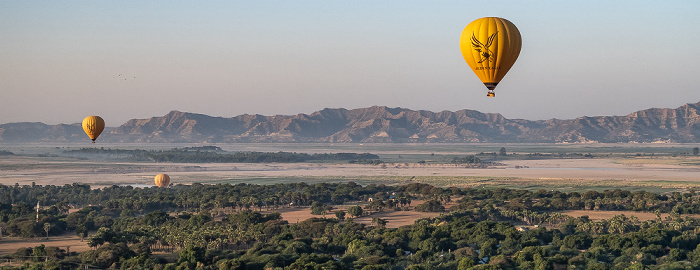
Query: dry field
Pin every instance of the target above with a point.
(394, 219)
(600, 215)
(667, 173)
(9, 245)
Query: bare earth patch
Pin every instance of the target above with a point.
(9, 245)
(397, 219)
(600, 215)
(394, 219)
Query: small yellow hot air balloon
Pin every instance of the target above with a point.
(490, 46)
(162, 180)
(93, 126)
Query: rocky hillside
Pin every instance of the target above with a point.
(39, 132)
(382, 124)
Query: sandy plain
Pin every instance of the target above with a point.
(661, 172)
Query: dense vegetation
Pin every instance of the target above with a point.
(221, 227)
(216, 155)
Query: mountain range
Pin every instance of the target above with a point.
(380, 124)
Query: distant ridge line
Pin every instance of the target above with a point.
(381, 124)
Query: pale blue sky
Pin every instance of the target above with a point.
(63, 60)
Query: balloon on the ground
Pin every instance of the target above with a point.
(162, 180)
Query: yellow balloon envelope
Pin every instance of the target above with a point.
(93, 126)
(490, 46)
(162, 180)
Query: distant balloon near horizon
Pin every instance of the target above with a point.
(490, 46)
(162, 180)
(93, 126)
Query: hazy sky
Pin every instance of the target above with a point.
(63, 60)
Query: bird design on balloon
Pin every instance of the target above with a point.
(483, 49)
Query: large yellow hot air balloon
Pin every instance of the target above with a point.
(93, 126)
(490, 46)
(162, 180)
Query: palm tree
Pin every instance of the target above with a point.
(47, 228)
(81, 231)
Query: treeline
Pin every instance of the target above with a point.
(462, 240)
(214, 155)
(181, 197)
(208, 197)
(466, 160)
(484, 230)
(609, 200)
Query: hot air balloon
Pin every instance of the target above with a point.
(162, 180)
(490, 46)
(93, 126)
